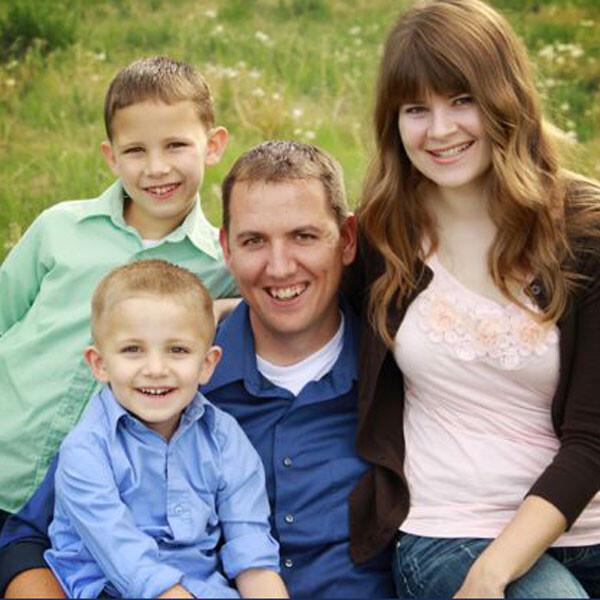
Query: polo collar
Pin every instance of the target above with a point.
(195, 226)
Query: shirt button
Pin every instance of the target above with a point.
(287, 461)
(288, 563)
(289, 519)
(178, 509)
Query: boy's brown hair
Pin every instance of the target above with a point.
(158, 78)
(153, 277)
(278, 161)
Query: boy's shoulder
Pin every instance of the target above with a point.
(75, 210)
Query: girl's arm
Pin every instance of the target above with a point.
(535, 526)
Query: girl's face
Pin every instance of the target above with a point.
(445, 140)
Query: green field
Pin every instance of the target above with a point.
(300, 69)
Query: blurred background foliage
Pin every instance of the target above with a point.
(303, 69)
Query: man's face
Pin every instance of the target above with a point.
(287, 252)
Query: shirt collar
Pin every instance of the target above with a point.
(198, 408)
(238, 363)
(195, 226)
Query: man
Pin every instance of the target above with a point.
(288, 372)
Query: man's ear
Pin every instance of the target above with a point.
(215, 145)
(224, 241)
(95, 362)
(211, 359)
(109, 156)
(348, 239)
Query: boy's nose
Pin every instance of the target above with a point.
(155, 365)
(156, 165)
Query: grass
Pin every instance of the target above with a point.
(278, 68)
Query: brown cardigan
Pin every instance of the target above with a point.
(380, 500)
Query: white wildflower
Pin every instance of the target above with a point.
(210, 13)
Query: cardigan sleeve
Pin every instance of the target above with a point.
(572, 479)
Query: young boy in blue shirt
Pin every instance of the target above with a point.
(153, 475)
(160, 136)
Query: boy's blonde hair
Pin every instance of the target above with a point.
(158, 78)
(153, 277)
(277, 161)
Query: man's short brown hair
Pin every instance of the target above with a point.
(153, 277)
(158, 78)
(278, 161)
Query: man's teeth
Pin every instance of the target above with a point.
(155, 391)
(287, 292)
(451, 151)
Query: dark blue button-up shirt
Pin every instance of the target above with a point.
(306, 443)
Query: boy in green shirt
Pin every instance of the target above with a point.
(161, 134)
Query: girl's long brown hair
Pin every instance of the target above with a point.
(453, 47)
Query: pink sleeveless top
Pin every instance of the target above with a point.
(479, 380)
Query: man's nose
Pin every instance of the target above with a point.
(281, 263)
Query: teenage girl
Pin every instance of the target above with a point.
(480, 378)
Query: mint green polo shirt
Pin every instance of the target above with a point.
(46, 284)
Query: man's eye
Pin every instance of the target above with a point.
(302, 236)
(252, 241)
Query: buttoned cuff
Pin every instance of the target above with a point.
(250, 551)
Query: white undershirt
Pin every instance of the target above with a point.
(312, 368)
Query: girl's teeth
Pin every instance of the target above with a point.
(451, 151)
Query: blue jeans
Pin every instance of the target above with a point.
(426, 567)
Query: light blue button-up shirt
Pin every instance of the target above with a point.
(136, 514)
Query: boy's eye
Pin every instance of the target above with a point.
(176, 144)
(131, 349)
(179, 350)
(133, 150)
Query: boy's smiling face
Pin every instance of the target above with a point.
(154, 351)
(159, 151)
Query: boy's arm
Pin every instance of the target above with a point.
(35, 583)
(260, 583)
(243, 510)
(21, 275)
(128, 557)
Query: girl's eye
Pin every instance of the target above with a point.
(462, 100)
(413, 110)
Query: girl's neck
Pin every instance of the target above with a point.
(467, 204)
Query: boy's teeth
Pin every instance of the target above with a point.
(287, 292)
(451, 151)
(155, 391)
(162, 189)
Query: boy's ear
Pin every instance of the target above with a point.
(109, 156)
(224, 241)
(215, 145)
(93, 358)
(211, 359)
(348, 239)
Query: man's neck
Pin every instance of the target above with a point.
(283, 348)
